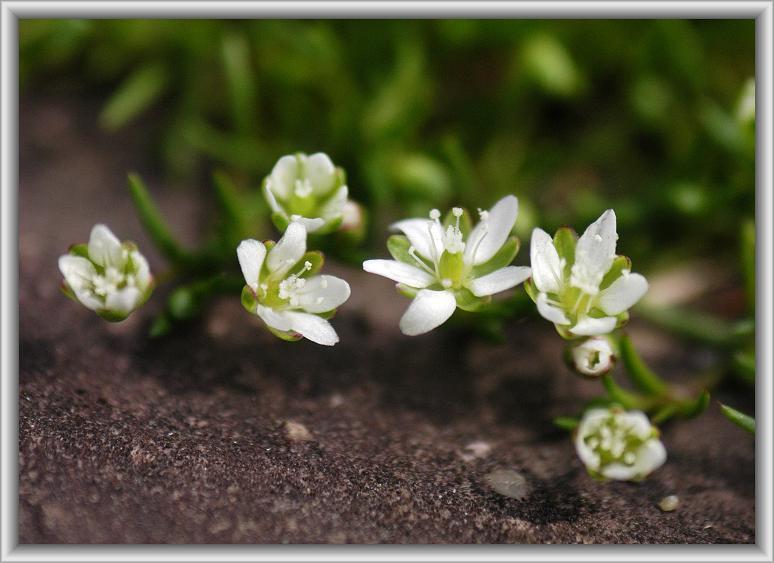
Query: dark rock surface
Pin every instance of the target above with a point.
(222, 433)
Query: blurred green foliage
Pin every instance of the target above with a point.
(649, 117)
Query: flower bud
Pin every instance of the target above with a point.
(617, 444)
(593, 357)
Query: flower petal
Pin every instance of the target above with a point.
(399, 272)
(268, 191)
(274, 319)
(323, 293)
(594, 253)
(310, 224)
(589, 326)
(104, 248)
(623, 293)
(78, 272)
(123, 300)
(650, 457)
(251, 254)
(312, 327)
(499, 280)
(425, 236)
(289, 250)
(334, 207)
(142, 270)
(283, 177)
(550, 312)
(545, 262)
(488, 236)
(428, 310)
(321, 173)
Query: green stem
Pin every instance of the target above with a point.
(739, 418)
(642, 376)
(693, 325)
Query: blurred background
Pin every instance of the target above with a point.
(654, 118)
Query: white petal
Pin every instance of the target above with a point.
(589, 326)
(78, 272)
(321, 173)
(334, 207)
(251, 254)
(399, 272)
(425, 236)
(272, 199)
(323, 293)
(594, 253)
(275, 320)
(623, 293)
(619, 472)
(142, 270)
(123, 300)
(650, 457)
(550, 312)
(488, 236)
(104, 248)
(499, 280)
(428, 310)
(545, 262)
(310, 224)
(312, 327)
(289, 250)
(283, 176)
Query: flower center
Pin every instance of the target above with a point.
(290, 287)
(614, 441)
(112, 280)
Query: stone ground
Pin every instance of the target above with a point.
(222, 433)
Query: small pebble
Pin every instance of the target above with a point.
(668, 504)
(509, 483)
(475, 450)
(297, 432)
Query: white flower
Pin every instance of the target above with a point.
(618, 444)
(448, 267)
(283, 290)
(593, 357)
(106, 275)
(306, 189)
(582, 286)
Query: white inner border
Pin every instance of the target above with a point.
(12, 11)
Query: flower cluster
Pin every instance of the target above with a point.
(579, 284)
(284, 290)
(107, 276)
(618, 444)
(309, 190)
(450, 265)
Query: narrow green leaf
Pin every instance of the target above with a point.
(740, 419)
(566, 422)
(240, 80)
(748, 261)
(152, 220)
(744, 366)
(700, 327)
(642, 376)
(134, 96)
(664, 413)
(229, 200)
(694, 408)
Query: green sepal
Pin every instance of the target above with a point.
(739, 418)
(620, 263)
(328, 227)
(466, 225)
(65, 288)
(316, 259)
(502, 258)
(327, 315)
(407, 291)
(280, 221)
(622, 319)
(564, 242)
(642, 376)
(531, 290)
(81, 250)
(564, 332)
(289, 336)
(111, 316)
(249, 301)
(469, 302)
(398, 247)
